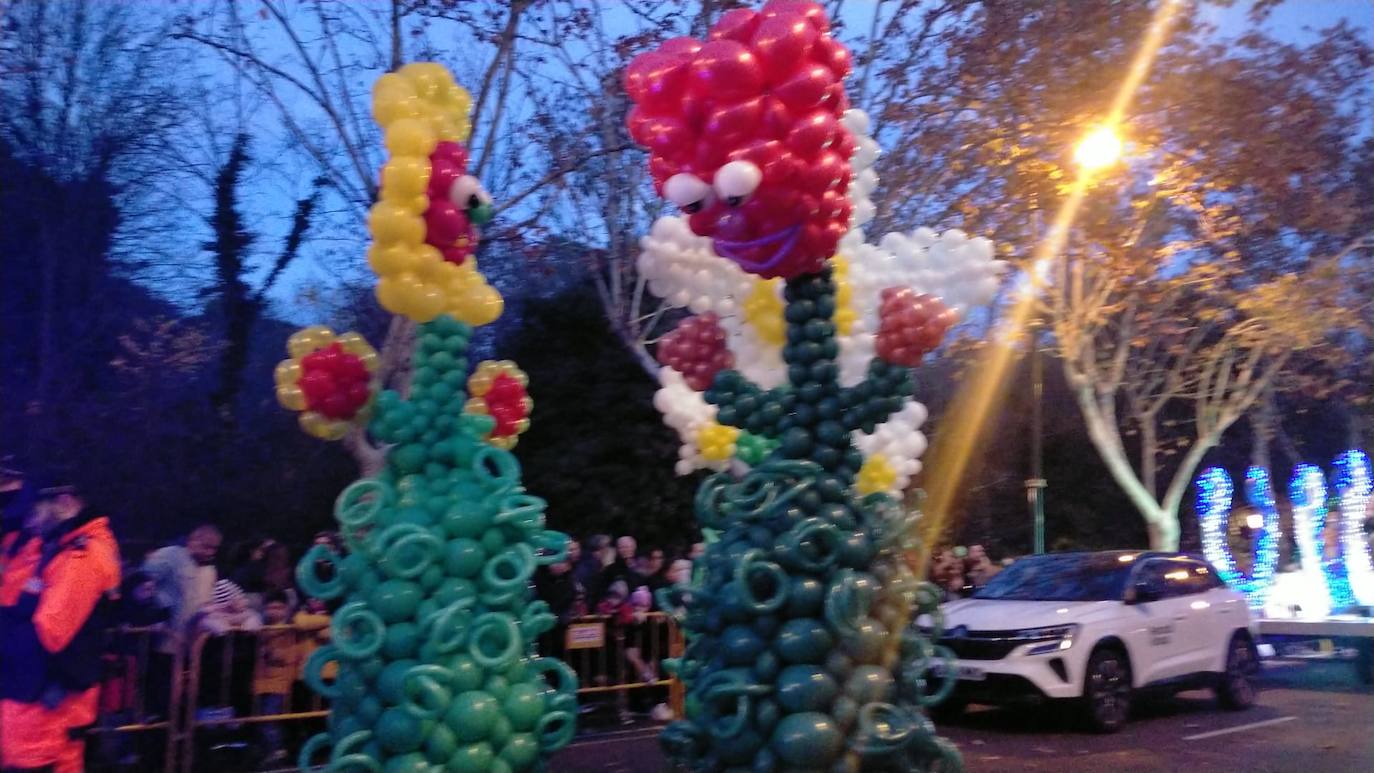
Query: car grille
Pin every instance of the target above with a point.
(982, 645)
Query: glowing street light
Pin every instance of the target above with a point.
(1099, 150)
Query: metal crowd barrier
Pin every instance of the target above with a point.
(201, 697)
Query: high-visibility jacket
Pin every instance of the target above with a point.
(51, 630)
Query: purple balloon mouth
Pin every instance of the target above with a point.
(785, 238)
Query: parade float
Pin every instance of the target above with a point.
(791, 380)
(433, 640)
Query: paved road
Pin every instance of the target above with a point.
(1311, 718)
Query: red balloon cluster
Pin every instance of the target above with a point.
(506, 403)
(335, 383)
(696, 349)
(766, 90)
(911, 325)
(447, 226)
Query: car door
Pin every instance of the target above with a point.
(1157, 635)
(1191, 582)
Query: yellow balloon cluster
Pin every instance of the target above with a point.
(717, 441)
(418, 107)
(845, 316)
(287, 376)
(499, 406)
(763, 310)
(875, 475)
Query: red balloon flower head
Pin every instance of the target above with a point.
(457, 204)
(498, 390)
(744, 135)
(328, 379)
(911, 325)
(696, 348)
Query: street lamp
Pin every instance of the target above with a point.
(1099, 149)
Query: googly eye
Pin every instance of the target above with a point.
(736, 181)
(688, 191)
(467, 193)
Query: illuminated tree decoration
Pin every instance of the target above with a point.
(1214, 513)
(1353, 486)
(1307, 492)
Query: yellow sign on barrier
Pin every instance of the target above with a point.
(585, 636)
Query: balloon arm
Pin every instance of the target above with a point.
(886, 382)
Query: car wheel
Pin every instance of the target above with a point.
(1107, 690)
(1236, 690)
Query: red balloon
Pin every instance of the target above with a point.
(782, 41)
(731, 123)
(806, 89)
(656, 79)
(444, 222)
(725, 70)
(737, 25)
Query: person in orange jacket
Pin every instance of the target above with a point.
(54, 593)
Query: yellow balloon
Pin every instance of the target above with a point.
(763, 310)
(475, 405)
(717, 441)
(394, 98)
(410, 137)
(431, 79)
(875, 475)
(355, 344)
(426, 303)
(307, 340)
(392, 258)
(389, 294)
(291, 397)
(479, 383)
(286, 372)
(404, 178)
(392, 224)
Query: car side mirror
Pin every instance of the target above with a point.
(1141, 593)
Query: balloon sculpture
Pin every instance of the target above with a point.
(434, 640)
(802, 651)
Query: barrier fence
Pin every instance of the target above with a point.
(223, 700)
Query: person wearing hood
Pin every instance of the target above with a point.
(54, 604)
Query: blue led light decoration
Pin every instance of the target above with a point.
(1214, 513)
(1307, 492)
(1353, 485)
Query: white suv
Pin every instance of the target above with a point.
(1096, 628)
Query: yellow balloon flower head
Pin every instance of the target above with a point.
(424, 228)
(498, 390)
(717, 441)
(763, 310)
(845, 316)
(329, 379)
(876, 474)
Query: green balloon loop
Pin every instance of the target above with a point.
(346, 746)
(307, 576)
(309, 750)
(521, 510)
(551, 546)
(313, 671)
(448, 628)
(496, 467)
(564, 677)
(423, 692)
(920, 667)
(555, 730)
(396, 540)
(846, 603)
(885, 728)
(501, 654)
(536, 620)
(516, 562)
(812, 530)
(342, 628)
(357, 506)
(752, 563)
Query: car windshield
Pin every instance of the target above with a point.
(1068, 577)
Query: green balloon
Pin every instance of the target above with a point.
(520, 751)
(805, 688)
(395, 600)
(472, 716)
(473, 758)
(868, 684)
(808, 738)
(402, 640)
(464, 557)
(441, 744)
(493, 541)
(469, 517)
(803, 640)
(398, 731)
(454, 589)
(497, 686)
(500, 730)
(407, 458)
(351, 686)
(523, 704)
(467, 675)
(406, 763)
(390, 683)
(368, 710)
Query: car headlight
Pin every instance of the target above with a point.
(1051, 638)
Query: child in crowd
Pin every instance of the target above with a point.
(229, 611)
(312, 625)
(279, 656)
